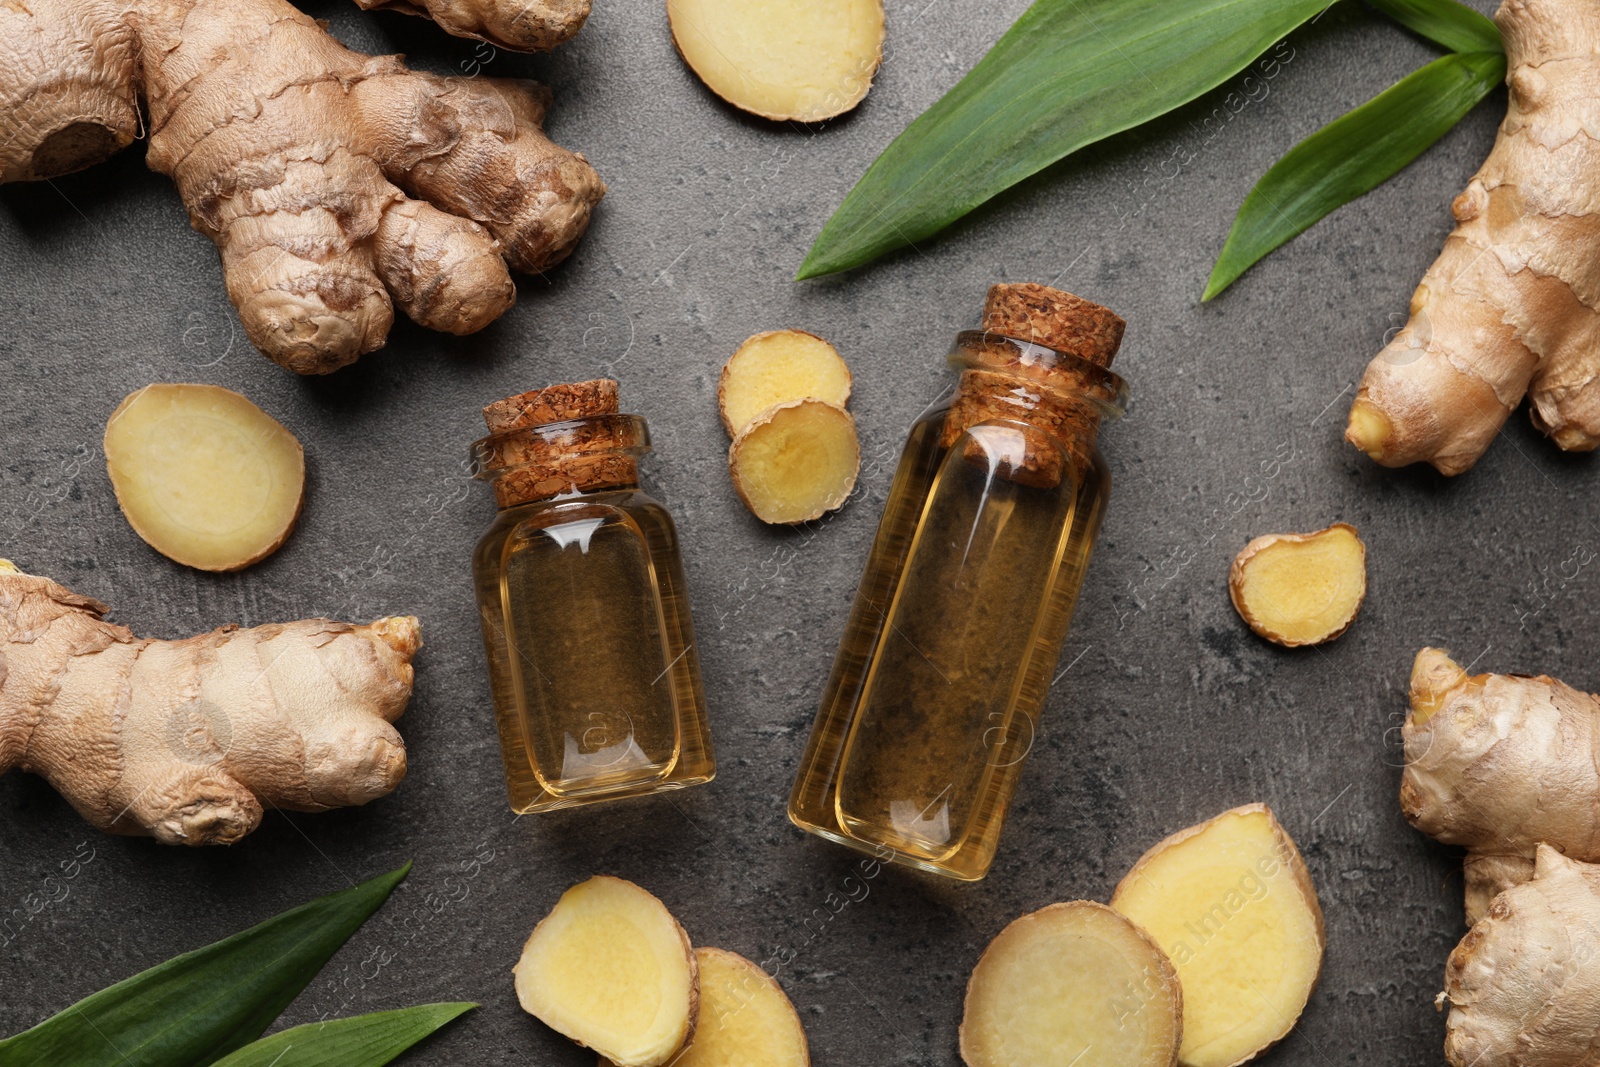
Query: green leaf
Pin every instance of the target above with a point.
(1069, 73)
(204, 1004)
(1352, 155)
(1445, 22)
(363, 1041)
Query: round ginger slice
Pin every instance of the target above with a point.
(611, 968)
(1232, 904)
(775, 368)
(801, 60)
(203, 475)
(745, 1019)
(1072, 984)
(795, 462)
(1300, 589)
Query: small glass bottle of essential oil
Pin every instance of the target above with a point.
(964, 606)
(585, 615)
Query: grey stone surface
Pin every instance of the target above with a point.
(1168, 711)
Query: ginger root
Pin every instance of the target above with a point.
(204, 476)
(1231, 903)
(744, 1018)
(795, 462)
(802, 60)
(1075, 984)
(1512, 305)
(775, 368)
(1499, 764)
(520, 25)
(1300, 589)
(333, 184)
(186, 740)
(1523, 983)
(611, 968)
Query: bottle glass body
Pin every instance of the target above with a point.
(591, 652)
(952, 644)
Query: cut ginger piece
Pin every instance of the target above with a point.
(803, 60)
(1072, 984)
(203, 475)
(745, 1019)
(775, 368)
(795, 462)
(611, 968)
(1300, 589)
(1232, 904)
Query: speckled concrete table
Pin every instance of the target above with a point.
(1167, 711)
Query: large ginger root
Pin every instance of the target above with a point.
(1499, 764)
(1075, 984)
(296, 156)
(186, 740)
(1523, 983)
(1231, 902)
(1512, 305)
(611, 968)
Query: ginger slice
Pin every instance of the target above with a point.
(1072, 984)
(805, 60)
(776, 367)
(611, 968)
(745, 1019)
(203, 475)
(794, 462)
(1231, 902)
(1300, 589)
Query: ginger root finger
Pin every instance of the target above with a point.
(1513, 301)
(1499, 764)
(520, 25)
(1231, 902)
(777, 367)
(781, 59)
(744, 1019)
(795, 462)
(1300, 589)
(187, 740)
(66, 87)
(1076, 984)
(1523, 983)
(203, 475)
(611, 968)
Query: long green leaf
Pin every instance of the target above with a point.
(1352, 155)
(193, 1008)
(1447, 23)
(1069, 73)
(363, 1041)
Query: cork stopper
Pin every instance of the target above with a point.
(1030, 398)
(1056, 319)
(564, 438)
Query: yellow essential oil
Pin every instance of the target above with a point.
(951, 647)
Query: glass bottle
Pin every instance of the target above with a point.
(964, 606)
(585, 615)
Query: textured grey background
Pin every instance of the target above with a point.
(1170, 712)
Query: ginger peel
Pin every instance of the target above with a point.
(1512, 305)
(335, 185)
(186, 741)
(1300, 589)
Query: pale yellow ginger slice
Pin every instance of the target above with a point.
(806, 60)
(1072, 984)
(745, 1018)
(776, 367)
(1231, 902)
(611, 968)
(1300, 589)
(203, 475)
(795, 462)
